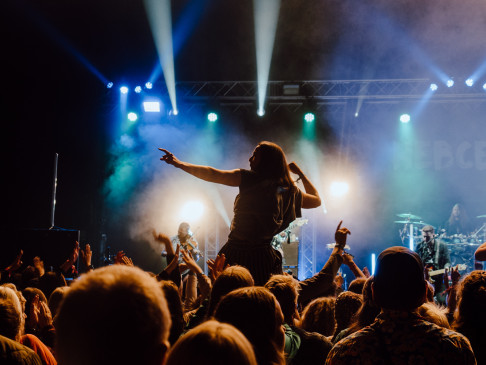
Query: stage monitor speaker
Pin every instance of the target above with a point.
(53, 246)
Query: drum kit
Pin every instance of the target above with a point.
(461, 246)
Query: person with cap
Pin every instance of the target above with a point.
(399, 335)
(435, 256)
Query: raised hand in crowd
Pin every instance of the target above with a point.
(216, 266)
(341, 236)
(366, 272)
(122, 259)
(86, 256)
(451, 289)
(67, 266)
(348, 261)
(165, 240)
(39, 314)
(174, 263)
(39, 266)
(190, 262)
(15, 265)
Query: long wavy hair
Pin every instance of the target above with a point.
(273, 164)
(463, 217)
(257, 314)
(470, 316)
(368, 311)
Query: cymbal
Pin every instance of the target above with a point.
(409, 216)
(412, 222)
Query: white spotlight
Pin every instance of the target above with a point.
(124, 90)
(191, 211)
(405, 118)
(132, 117)
(469, 82)
(261, 112)
(339, 188)
(433, 87)
(484, 86)
(148, 85)
(175, 111)
(450, 83)
(138, 89)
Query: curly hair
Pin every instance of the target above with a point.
(318, 316)
(470, 316)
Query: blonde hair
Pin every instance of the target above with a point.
(115, 314)
(212, 343)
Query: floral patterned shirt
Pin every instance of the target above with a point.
(397, 338)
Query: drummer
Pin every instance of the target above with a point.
(458, 222)
(435, 255)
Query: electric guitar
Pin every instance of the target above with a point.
(460, 267)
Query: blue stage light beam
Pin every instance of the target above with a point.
(266, 19)
(183, 28)
(160, 19)
(58, 38)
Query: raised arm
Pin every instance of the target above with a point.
(206, 173)
(310, 199)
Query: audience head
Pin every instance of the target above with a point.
(347, 304)
(356, 286)
(318, 316)
(233, 277)
(368, 311)
(471, 302)
(113, 315)
(212, 343)
(269, 160)
(285, 288)
(50, 281)
(56, 298)
(11, 314)
(257, 314)
(173, 298)
(399, 281)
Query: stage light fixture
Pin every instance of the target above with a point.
(484, 86)
(433, 87)
(450, 83)
(405, 118)
(148, 85)
(151, 106)
(138, 89)
(175, 112)
(132, 117)
(309, 117)
(109, 85)
(212, 117)
(469, 82)
(261, 112)
(124, 90)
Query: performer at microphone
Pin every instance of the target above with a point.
(435, 255)
(186, 239)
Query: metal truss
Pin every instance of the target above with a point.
(211, 241)
(242, 94)
(307, 249)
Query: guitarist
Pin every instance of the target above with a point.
(435, 255)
